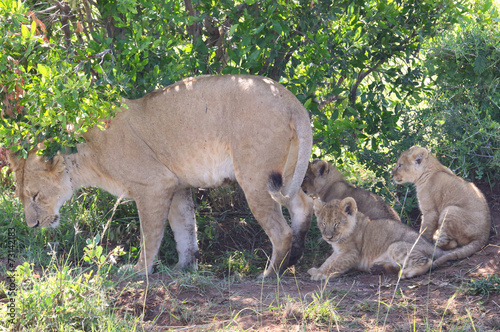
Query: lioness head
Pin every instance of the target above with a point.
(336, 219)
(319, 175)
(411, 164)
(41, 186)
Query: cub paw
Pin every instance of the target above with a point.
(317, 274)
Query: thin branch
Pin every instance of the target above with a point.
(361, 77)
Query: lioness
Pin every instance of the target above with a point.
(361, 243)
(199, 132)
(324, 180)
(454, 211)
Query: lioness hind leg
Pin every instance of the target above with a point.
(269, 216)
(301, 209)
(183, 223)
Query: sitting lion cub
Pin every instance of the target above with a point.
(363, 244)
(324, 180)
(454, 211)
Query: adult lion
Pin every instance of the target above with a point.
(199, 132)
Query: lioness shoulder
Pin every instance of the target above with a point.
(324, 180)
(361, 243)
(454, 211)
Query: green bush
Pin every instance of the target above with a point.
(461, 119)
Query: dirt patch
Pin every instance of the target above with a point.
(354, 302)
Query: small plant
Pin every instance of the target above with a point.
(94, 254)
(484, 287)
(322, 310)
(241, 262)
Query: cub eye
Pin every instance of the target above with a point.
(35, 196)
(323, 224)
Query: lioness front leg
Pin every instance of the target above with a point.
(183, 223)
(153, 211)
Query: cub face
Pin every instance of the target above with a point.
(336, 219)
(41, 187)
(410, 166)
(319, 175)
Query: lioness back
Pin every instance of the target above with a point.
(361, 243)
(324, 180)
(454, 212)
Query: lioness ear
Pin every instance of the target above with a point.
(56, 164)
(349, 206)
(14, 160)
(318, 206)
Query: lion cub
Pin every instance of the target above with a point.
(363, 244)
(324, 180)
(454, 211)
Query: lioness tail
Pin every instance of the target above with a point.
(304, 135)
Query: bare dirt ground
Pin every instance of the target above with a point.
(355, 302)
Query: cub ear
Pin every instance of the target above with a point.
(349, 206)
(420, 154)
(318, 206)
(320, 167)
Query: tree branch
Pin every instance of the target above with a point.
(361, 76)
(195, 28)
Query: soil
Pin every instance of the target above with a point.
(357, 301)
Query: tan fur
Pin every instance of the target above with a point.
(199, 132)
(454, 212)
(324, 180)
(363, 244)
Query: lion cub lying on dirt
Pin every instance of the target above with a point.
(454, 211)
(324, 180)
(363, 244)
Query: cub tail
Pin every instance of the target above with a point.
(458, 253)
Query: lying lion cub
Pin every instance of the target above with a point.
(454, 211)
(363, 244)
(324, 180)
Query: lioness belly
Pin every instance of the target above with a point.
(207, 170)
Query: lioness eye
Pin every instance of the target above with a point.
(35, 196)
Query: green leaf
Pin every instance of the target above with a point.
(25, 32)
(277, 27)
(233, 29)
(479, 64)
(43, 70)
